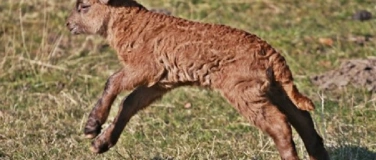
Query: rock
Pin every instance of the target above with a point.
(188, 105)
(362, 15)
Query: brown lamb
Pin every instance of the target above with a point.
(160, 52)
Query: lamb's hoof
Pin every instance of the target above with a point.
(99, 146)
(90, 136)
(92, 129)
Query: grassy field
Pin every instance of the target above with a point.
(50, 80)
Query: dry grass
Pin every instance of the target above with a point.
(49, 80)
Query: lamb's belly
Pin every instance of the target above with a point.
(192, 76)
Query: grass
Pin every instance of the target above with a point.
(49, 81)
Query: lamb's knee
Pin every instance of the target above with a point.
(113, 84)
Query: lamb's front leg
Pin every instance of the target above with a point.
(99, 113)
(137, 100)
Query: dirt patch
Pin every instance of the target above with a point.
(359, 73)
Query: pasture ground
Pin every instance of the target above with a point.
(50, 80)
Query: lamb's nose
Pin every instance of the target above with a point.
(69, 25)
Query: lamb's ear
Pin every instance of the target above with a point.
(104, 1)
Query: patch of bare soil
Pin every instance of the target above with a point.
(359, 73)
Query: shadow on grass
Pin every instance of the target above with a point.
(351, 153)
(335, 153)
(2, 155)
(161, 158)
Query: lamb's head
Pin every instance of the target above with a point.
(89, 17)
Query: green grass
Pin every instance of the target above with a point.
(50, 80)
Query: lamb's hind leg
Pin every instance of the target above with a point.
(276, 125)
(137, 100)
(302, 122)
(99, 113)
(257, 109)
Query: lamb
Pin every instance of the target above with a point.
(161, 52)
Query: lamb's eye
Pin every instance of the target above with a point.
(83, 8)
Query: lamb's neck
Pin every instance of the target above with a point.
(123, 25)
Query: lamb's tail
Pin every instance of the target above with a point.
(282, 74)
